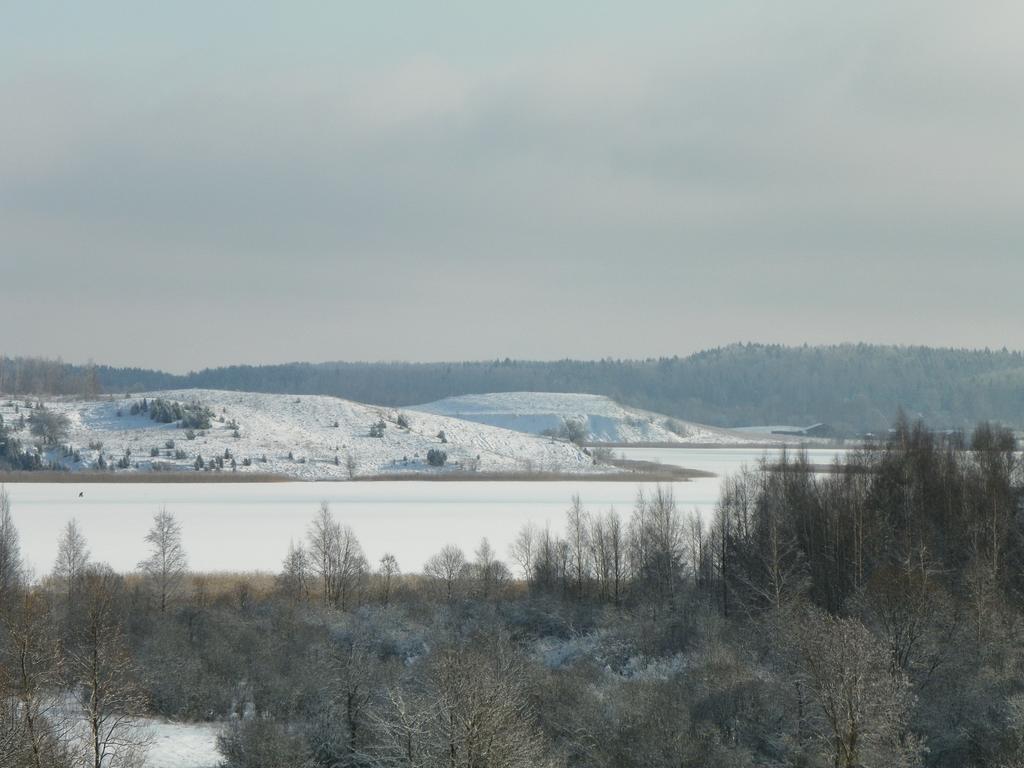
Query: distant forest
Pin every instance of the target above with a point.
(852, 387)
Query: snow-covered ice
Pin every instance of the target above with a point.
(247, 526)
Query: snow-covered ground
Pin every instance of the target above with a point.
(605, 419)
(158, 742)
(182, 745)
(297, 436)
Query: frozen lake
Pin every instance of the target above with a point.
(248, 526)
(721, 461)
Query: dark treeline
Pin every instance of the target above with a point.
(854, 388)
(869, 616)
(39, 376)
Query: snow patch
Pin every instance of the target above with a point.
(605, 419)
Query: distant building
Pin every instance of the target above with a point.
(815, 430)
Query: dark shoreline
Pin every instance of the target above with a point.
(638, 474)
(48, 476)
(720, 446)
(666, 475)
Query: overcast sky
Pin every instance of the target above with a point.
(199, 183)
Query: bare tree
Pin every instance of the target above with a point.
(447, 567)
(482, 712)
(10, 722)
(294, 578)
(102, 668)
(352, 567)
(72, 557)
(336, 558)
(522, 549)
(388, 571)
(607, 554)
(697, 545)
(864, 705)
(350, 684)
(10, 549)
(324, 534)
(616, 552)
(656, 550)
(489, 573)
(911, 613)
(262, 742)
(167, 562)
(468, 706)
(577, 531)
(550, 561)
(403, 725)
(32, 661)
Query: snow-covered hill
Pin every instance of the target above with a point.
(605, 420)
(295, 436)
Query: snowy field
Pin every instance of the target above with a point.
(297, 436)
(606, 420)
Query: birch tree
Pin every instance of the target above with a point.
(38, 732)
(167, 562)
(105, 676)
(10, 550)
(72, 558)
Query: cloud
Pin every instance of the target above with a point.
(712, 152)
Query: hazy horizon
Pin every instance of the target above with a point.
(485, 360)
(195, 186)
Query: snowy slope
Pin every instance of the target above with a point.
(276, 425)
(606, 420)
